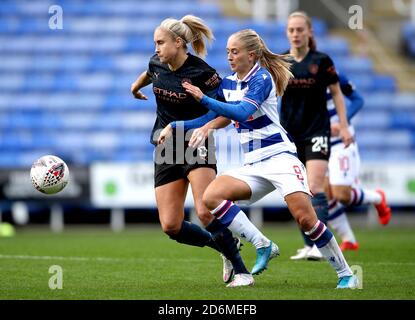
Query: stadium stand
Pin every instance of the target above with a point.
(67, 92)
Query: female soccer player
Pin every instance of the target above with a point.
(342, 184)
(270, 156)
(344, 189)
(304, 111)
(176, 165)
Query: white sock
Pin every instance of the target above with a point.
(364, 196)
(243, 227)
(331, 251)
(339, 222)
(237, 221)
(327, 244)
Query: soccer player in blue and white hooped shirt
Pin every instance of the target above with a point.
(270, 155)
(344, 166)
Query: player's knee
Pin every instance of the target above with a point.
(171, 229)
(302, 221)
(211, 199)
(343, 196)
(305, 219)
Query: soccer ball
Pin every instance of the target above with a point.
(49, 174)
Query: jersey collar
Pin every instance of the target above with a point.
(251, 72)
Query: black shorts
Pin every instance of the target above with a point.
(316, 148)
(166, 171)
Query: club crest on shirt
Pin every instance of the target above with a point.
(313, 68)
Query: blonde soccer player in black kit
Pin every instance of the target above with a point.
(177, 165)
(304, 112)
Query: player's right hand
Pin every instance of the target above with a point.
(346, 136)
(165, 134)
(198, 137)
(136, 92)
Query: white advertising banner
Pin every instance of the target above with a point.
(119, 185)
(132, 185)
(397, 180)
(122, 185)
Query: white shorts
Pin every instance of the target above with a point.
(283, 172)
(344, 165)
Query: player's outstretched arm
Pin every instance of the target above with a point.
(185, 125)
(142, 81)
(238, 112)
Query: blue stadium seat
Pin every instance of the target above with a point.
(370, 119)
(403, 120)
(369, 83)
(403, 101)
(333, 45)
(378, 101)
(397, 155)
(354, 65)
(384, 139)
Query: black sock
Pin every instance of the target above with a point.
(224, 239)
(321, 206)
(194, 235)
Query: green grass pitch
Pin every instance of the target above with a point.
(142, 263)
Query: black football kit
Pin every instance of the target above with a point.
(175, 104)
(304, 111)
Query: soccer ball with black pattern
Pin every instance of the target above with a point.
(49, 174)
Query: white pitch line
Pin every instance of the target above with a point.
(99, 259)
(29, 257)
(385, 263)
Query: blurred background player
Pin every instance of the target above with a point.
(344, 167)
(342, 181)
(168, 68)
(304, 110)
(270, 155)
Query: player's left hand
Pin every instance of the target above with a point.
(198, 137)
(346, 136)
(165, 134)
(193, 90)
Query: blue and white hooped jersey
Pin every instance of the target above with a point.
(261, 136)
(344, 82)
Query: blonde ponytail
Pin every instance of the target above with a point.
(277, 65)
(199, 31)
(190, 29)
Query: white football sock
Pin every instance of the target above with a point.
(327, 244)
(364, 196)
(339, 222)
(243, 227)
(236, 220)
